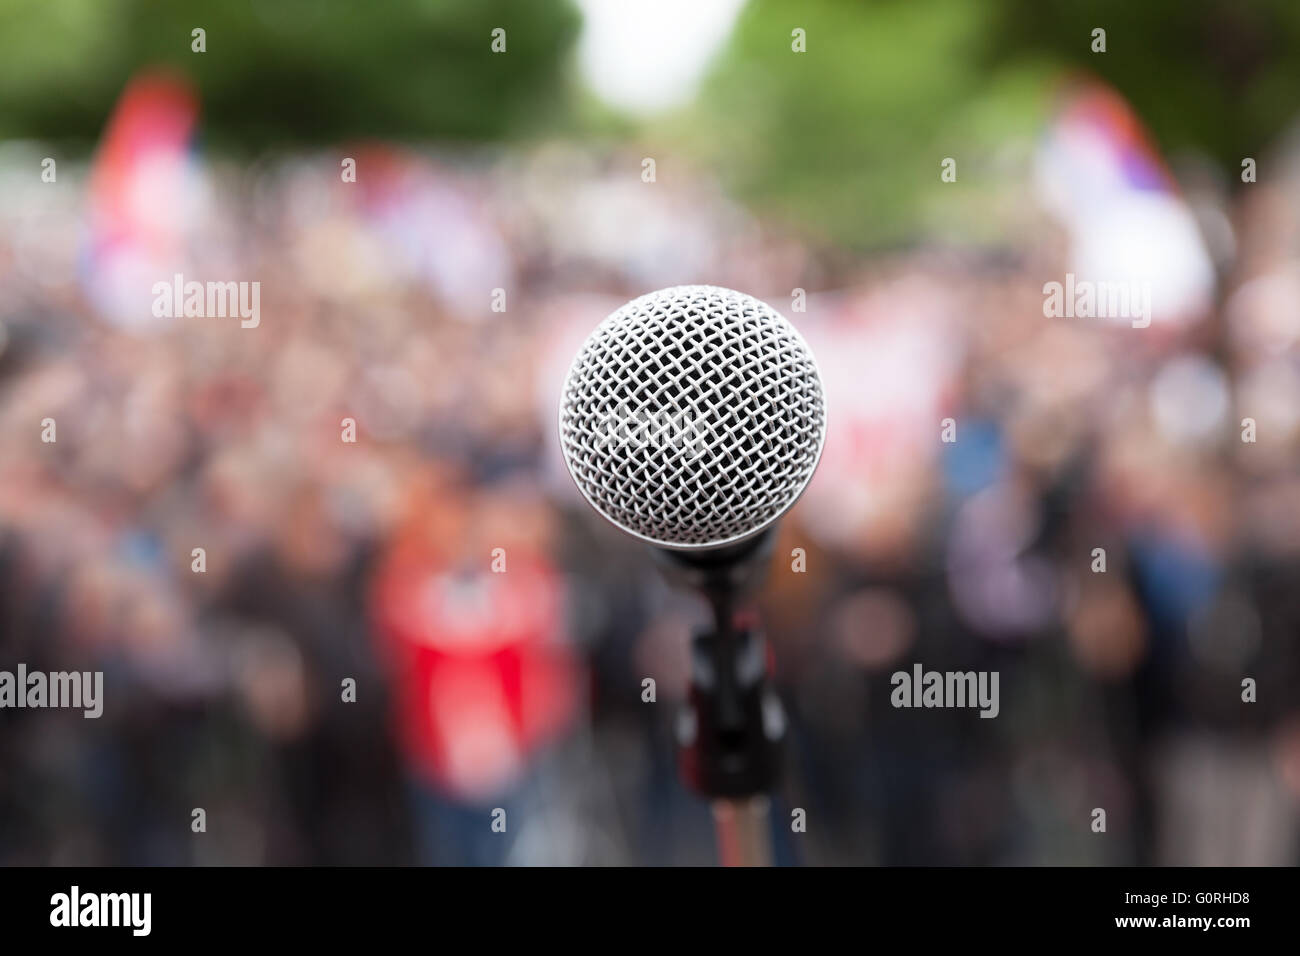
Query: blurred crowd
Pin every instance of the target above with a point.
(384, 640)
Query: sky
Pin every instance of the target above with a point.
(644, 56)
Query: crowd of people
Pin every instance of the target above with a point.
(348, 603)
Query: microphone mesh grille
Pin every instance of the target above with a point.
(693, 417)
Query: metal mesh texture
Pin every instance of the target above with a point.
(693, 417)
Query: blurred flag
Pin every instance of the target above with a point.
(1099, 172)
(142, 192)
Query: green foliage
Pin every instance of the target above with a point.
(848, 137)
(279, 71)
(1218, 76)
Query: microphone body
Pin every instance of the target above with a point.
(693, 418)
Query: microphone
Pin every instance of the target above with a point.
(692, 418)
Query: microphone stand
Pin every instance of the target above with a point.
(731, 730)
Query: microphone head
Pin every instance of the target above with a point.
(693, 417)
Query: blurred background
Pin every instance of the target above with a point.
(524, 171)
